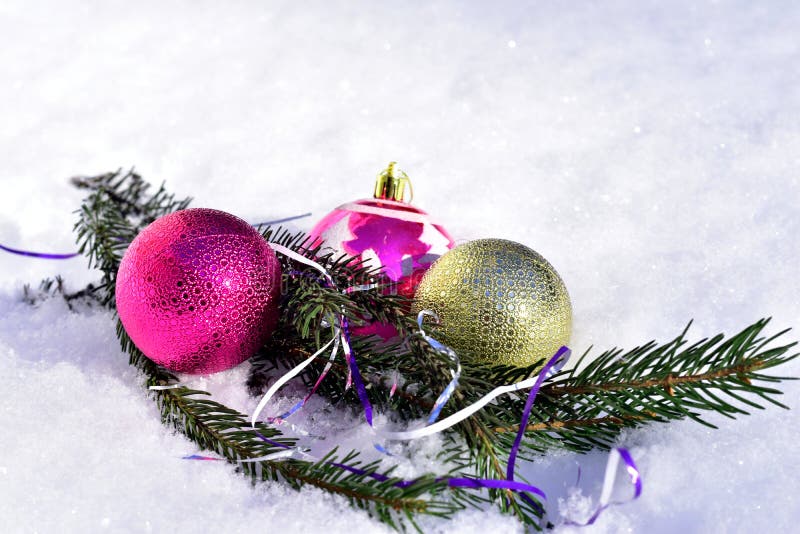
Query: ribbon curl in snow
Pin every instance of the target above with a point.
(341, 338)
(42, 255)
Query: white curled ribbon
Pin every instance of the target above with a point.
(335, 340)
(291, 374)
(164, 388)
(615, 455)
(459, 416)
(339, 339)
(289, 253)
(634, 476)
(454, 373)
(294, 452)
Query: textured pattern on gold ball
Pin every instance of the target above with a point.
(498, 302)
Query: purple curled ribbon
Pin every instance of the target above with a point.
(634, 477)
(274, 443)
(356, 374)
(553, 365)
(51, 256)
(504, 484)
(42, 255)
(202, 458)
(473, 483)
(283, 220)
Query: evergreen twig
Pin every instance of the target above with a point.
(110, 218)
(579, 409)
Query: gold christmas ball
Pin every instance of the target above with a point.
(497, 302)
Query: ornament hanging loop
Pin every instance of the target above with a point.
(391, 184)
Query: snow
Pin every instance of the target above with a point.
(649, 150)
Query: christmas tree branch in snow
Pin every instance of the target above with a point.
(218, 428)
(579, 409)
(588, 406)
(113, 214)
(116, 210)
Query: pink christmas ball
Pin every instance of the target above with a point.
(397, 237)
(197, 291)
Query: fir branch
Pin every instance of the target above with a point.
(426, 374)
(588, 406)
(214, 426)
(580, 409)
(52, 287)
(111, 216)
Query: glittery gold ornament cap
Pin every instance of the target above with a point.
(498, 302)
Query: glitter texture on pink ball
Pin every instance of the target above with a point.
(197, 291)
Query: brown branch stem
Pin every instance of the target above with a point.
(574, 423)
(417, 505)
(668, 382)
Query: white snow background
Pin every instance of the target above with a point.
(649, 150)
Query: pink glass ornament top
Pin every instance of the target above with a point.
(385, 232)
(399, 238)
(197, 291)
